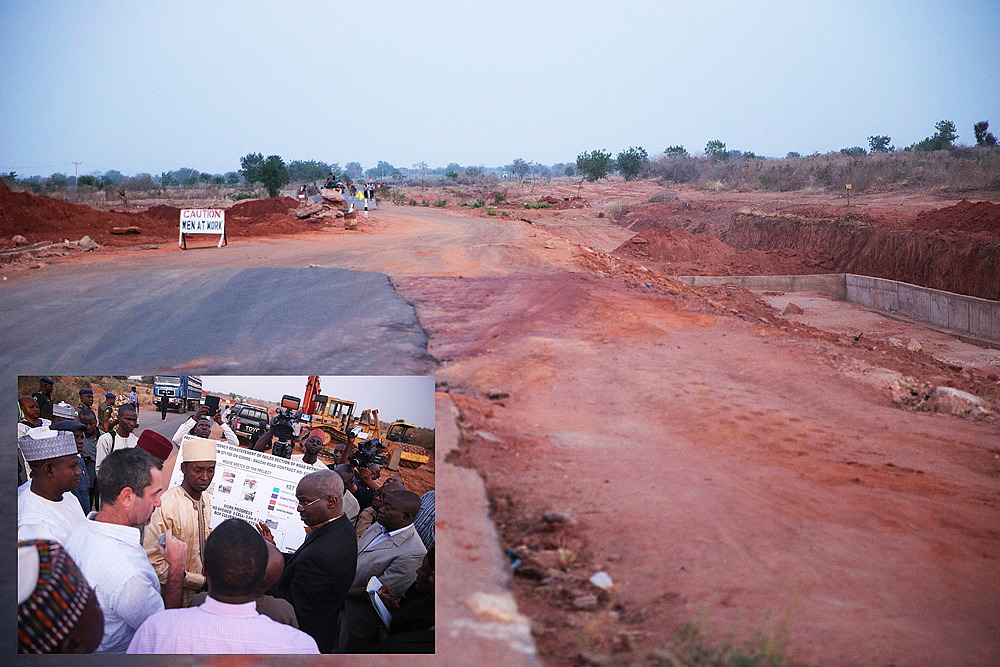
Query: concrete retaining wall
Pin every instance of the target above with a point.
(826, 283)
(967, 314)
(964, 314)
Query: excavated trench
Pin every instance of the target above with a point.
(962, 263)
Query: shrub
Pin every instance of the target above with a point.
(478, 203)
(537, 204)
(617, 210)
(441, 203)
(491, 211)
(594, 165)
(499, 198)
(505, 214)
(632, 162)
(716, 151)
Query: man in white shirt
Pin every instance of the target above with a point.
(107, 548)
(200, 426)
(46, 507)
(236, 559)
(120, 437)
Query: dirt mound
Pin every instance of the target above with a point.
(682, 253)
(252, 208)
(965, 216)
(164, 213)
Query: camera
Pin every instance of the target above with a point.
(367, 453)
(282, 430)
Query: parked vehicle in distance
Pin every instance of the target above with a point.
(181, 392)
(249, 422)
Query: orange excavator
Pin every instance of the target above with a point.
(335, 418)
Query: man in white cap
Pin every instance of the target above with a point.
(46, 508)
(186, 511)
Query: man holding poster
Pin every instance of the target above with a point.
(185, 510)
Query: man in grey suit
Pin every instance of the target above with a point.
(390, 550)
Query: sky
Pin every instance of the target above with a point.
(151, 87)
(407, 398)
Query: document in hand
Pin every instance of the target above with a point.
(373, 585)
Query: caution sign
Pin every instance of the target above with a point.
(202, 221)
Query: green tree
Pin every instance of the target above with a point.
(167, 179)
(84, 181)
(306, 170)
(880, 144)
(631, 162)
(983, 136)
(792, 154)
(232, 178)
(594, 165)
(274, 174)
(474, 172)
(716, 150)
(675, 151)
(453, 175)
(251, 164)
(570, 170)
(940, 140)
(58, 180)
(853, 150)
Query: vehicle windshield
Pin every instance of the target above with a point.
(253, 413)
(169, 381)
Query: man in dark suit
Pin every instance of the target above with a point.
(390, 550)
(318, 575)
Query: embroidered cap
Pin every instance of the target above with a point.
(42, 443)
(51, 595)
(155, 444)
(198, 449)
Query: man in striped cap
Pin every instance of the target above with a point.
(57, 612)
(47, 509)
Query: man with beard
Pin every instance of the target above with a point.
(200, 426)
(109, 553)
(185, 511)
(47, 508)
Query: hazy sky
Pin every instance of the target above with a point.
(408, 398)
(150, 87)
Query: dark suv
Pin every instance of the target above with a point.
(249, 422)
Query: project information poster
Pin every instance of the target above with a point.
(255, 486)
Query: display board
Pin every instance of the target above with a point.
(255, 486)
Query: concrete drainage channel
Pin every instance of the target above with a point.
(477, 618)
(970, 319)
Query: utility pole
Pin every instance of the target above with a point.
(76, 173)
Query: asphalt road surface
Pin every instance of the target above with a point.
(211, 321)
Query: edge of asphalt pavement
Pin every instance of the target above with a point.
(477, 618)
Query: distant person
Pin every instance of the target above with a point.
(44, 397)
(57, 610)
(312, 446)
(331, 182)
(105, 410)
(134, 400)
(91, 434)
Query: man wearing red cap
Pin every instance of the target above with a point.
(186, 511)
(155, 444)
(313, 446)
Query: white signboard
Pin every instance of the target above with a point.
(203, 221)
(256, 486)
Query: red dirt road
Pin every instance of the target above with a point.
(703, 452)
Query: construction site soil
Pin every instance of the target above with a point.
(708, 454)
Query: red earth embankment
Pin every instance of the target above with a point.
(43, 219)
(955, 248)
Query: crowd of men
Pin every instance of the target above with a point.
(111, 561)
